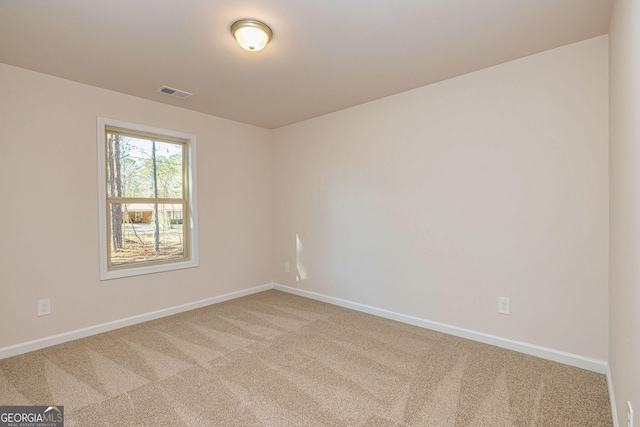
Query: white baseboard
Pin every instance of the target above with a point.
(26, 347)
(612, 399)
(571, 359)
(533, 350)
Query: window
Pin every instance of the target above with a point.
(147, 204)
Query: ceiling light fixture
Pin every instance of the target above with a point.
(251, 35)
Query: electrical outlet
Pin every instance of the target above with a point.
(287, 267)
(44, 307)
(504, 305)
(629, 414)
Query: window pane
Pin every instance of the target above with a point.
(143, 168)
(169, 170)
(142, 232)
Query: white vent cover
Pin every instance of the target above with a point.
(174, 92)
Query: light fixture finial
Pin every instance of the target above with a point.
(251, 34)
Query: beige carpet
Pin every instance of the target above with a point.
(274, 359)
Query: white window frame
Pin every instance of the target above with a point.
(136, 270)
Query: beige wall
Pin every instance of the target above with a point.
(430, 203)
(435, 202)
(49, 219)
(624, 167)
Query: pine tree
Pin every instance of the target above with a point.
(115, 189)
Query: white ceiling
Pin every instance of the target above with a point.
(325, 55)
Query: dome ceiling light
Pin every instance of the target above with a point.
(251, 35)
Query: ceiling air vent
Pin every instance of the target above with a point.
(174, 92)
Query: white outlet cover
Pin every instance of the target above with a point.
(504, 305)
(44, 307)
